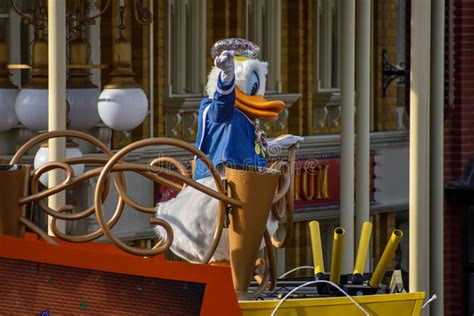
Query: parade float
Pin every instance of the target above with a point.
(59, 273)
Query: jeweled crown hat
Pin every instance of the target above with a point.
(254, 106)
(241, 47)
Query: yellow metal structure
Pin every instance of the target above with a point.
(363, 247)
(337, 251)
(316, 247)
(386, 258)
(403, 304)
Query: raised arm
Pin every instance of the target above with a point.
(224, 97)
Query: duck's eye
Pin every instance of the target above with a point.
(254, 84)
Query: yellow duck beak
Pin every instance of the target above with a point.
(256, 107)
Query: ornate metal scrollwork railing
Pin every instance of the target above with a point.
(113, 163)
(164, 170)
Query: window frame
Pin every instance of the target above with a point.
(185, 77)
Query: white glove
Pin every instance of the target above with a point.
(225, 62)
(274, 147)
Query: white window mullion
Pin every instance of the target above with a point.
(247, 15)
(327, 36)
(254, 18)
(317, 46)
(327, 57)
(263, 28)
(190, 42)
(186, 47)
(177, 44)
(181, 24)
(328, 42)
(338, 40)
(196, 58)
(170, 46)
(93, 34)
(202, 46)
(272, 48)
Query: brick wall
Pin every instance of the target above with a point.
(459, 144)
(35, 287)
(299, 63)
(385, 37)
(225, 18)
(453, 259)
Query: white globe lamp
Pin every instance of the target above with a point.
(82, 95)
(122, 104)
(83, 108)
(123, 109)
(42, 157)
(31, 105)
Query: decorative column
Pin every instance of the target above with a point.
(437, 156)
(419, 220)
(347, 131)
(56, 95)
(363, 117)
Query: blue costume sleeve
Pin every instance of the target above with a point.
(223, 102)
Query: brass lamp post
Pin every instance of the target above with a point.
(31, 105)
(122, 104)
(82, 94)
(8, 92)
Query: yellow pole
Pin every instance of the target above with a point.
(436, 161)
(56, 95)
(419, 216)
(362, 186)
(316, 247)
(362, 253)
(347, 130)
(387, 256)
(337, 251)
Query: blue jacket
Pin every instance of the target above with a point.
(225, 134)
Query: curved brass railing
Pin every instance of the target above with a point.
(284, 202)
(159, 170)
(113, 163)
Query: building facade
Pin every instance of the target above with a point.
(302, 42)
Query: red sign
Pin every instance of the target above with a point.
(317, 183)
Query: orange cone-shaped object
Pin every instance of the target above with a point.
(256, 189)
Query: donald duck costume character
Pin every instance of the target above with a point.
(227, 134)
